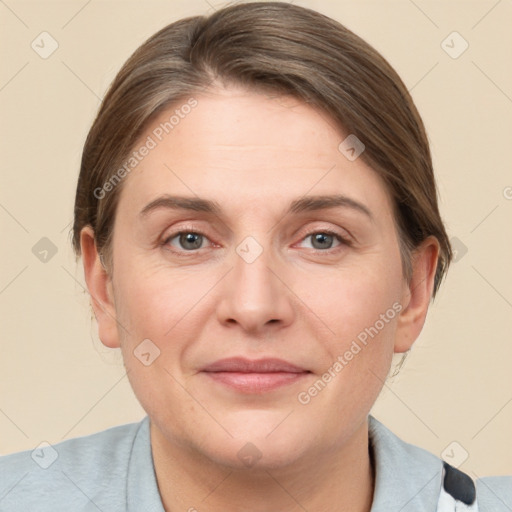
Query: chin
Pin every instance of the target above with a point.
(261, 443)
(257, 455)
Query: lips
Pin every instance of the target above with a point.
(254, 376)
(240, 364)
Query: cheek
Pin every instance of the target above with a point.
(362, 314)
(355, 299)
(359, 309)
(154, 305)
(165, 305)
(157, 323)
(148, 296)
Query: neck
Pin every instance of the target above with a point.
(336, 480)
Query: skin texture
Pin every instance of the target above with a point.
(254, 155)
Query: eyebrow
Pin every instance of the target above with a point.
(304, 204)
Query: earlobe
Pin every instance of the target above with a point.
(99, 285)
(417, 294)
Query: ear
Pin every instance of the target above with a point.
(99, 285)
(417, 294)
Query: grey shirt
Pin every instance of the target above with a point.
(113, 471)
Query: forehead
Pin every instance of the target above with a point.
(237, 145)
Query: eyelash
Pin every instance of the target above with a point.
(344, 241)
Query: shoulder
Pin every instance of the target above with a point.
(407, 477)
(414, 479)
(494, 493)
(70, 474)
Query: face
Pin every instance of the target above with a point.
(245, 233)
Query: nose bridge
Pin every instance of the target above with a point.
(254, 296)
(252, 272)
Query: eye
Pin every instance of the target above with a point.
(324, 240)
(186, 240)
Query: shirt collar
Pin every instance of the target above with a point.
(141, 486)
(407, 478)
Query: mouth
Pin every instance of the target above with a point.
(254, 376)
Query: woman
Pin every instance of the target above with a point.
(257, 217)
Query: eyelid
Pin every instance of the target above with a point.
(183, 230)
(343, 234)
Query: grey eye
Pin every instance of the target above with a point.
(188, 240)
(322, 240)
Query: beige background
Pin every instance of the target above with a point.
(57, 381)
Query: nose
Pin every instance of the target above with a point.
(255, 296)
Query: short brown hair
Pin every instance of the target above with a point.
(284, 49)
